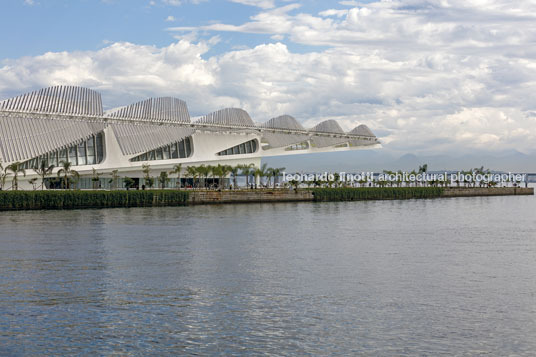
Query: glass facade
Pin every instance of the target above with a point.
(248, 147)
(88, 152)
(300, 146)
(178, 150)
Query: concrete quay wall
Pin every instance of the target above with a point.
(485, 191)
(303, 195)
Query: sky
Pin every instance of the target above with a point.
(429, 77)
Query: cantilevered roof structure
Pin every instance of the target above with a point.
(143, 136)
(276, 139)
(362, 130)
(59, 100)
(23, 136)
(67, 123)
(283, 122)
(364, 135)
(228, 117)
(165, 109)
(328, 127)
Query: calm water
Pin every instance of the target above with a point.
(428, 277)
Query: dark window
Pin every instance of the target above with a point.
(244, 148)
(188, 144)
(82, 153)
(100, 147)
(175, 150)
(91, 158)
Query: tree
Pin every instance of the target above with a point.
(269, 174)
(423, 170)
(177, 170)
(67, 173)
(412, 174)
(129, 182)
(149, 181)
(213, 171)
(209, 171)
(163, 179)
(276, 173)
(465, 175)
(16, 168)
(336, 179)
(399, 178)
(114, 180)
(203, 171)
(95, 178)
(259, 173)
(223, 171)
(33, 182)
(191, 171)
(235, 170)
(43, 170)
(247, 171)
(295, 184)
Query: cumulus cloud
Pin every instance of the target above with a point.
(178, 2)
(428, 76)
(264, 4)
(173, 2)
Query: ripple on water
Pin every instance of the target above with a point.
(449, 276)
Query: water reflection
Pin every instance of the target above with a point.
(385, 277)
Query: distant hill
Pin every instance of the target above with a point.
(380, 159)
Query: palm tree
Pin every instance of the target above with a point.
(191, 171)
(177, 170)
(336, 179)
(213, 171)
(276, 173)
(414, 174)
(269, 175)
(259, 173)
(43, 170)
(204, 171)
(67, 173)
(247, 171)
(400, 178)
(423, 170)
(16, 168)
(235, 170)
(222, 172)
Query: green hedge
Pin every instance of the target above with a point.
(375, 193)
(24, 200)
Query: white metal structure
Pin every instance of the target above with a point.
(65, 123)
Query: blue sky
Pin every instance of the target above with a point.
(64, 25)
(427, 76)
